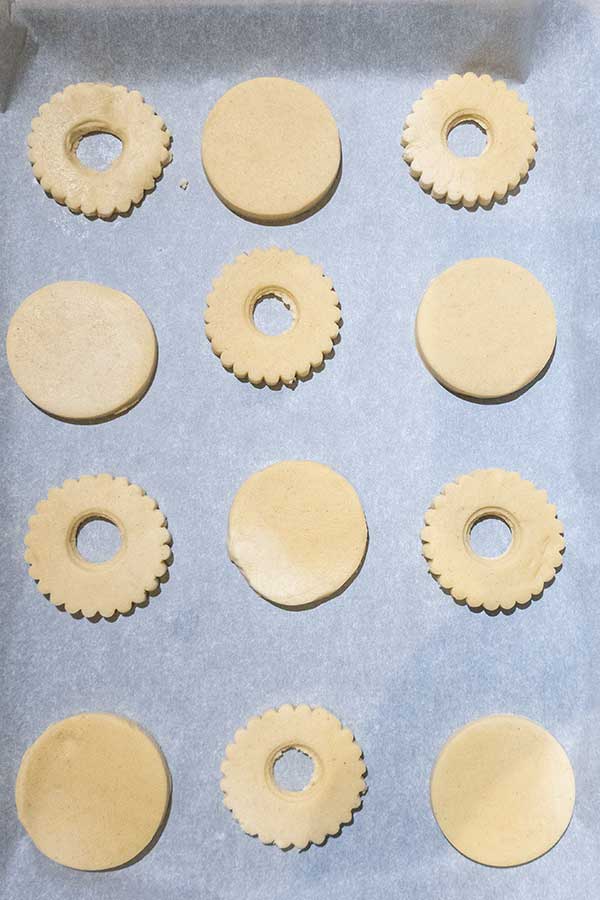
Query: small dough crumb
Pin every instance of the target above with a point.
(184, 184)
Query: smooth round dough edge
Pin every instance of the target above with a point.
(297, 532)
(271, 149)
(485, 328)
(81, 351)
(503, 790)
(92, 791)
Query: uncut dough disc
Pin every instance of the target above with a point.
(503, 790)
(92, 791)
(81, 351)
(485, 328)
(271, 149)
(297, 532)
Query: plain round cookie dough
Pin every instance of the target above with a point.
(485, 328)
(469, 180)
(297, 532)
(306, 291)
(293, 818)
(271, 150)
(81, 351)
(89, 108)
(522, 571)
(503, 790)
(103, 588)
(92, 791)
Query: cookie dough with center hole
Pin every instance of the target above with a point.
(92, 791)
(485, 328)
(297, 532)
(81, 351)
(293, 818)
(97, 588)
(271, 150)
(503, 790)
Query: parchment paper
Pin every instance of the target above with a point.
(393, 657)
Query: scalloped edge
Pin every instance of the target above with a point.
(427, 179)
(151, 583)
(263, 835)
(548, 568)
(262, 376)
(127, 201)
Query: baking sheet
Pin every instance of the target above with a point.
(395, 658)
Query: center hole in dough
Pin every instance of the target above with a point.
(272, 314)
(99, 150)
(467, 138)
(98, 540)
(293, 770)
(490, 537)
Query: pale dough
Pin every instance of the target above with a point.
(92, 791)
(242, 347)
(505, 161)
(503, 790)
(271, 150)
(88, 108)
(517, 575)
(81, 351)
(485, 328)
(97, 588)
(293, 818)
(297, 532)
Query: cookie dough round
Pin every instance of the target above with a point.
(485, 328)
(520, 573)
(469, 180)
(81, 351)
(293, 818)
(92, 791)
(297, 532)
(88, 108)
(307, 292)
(503, 790)
(271, 150)
(109, 587)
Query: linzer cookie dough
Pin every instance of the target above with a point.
(486, 328)
(81, 351)
(503, 790)
(297, 532)
(105, 588)
(93, 791)
(271, 150)
(520, 573)
(293, 818)
(265, 358)
(87, 108)
(469, 180)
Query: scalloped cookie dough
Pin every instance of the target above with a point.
(293, 818)
(105, 588)
(271, 150)
(80, 351)
(485, 328)
(297, 532)
(469, 180)
(503, 790)
(93, 791)
(88, 108)
(520, 573)
(265, 358)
